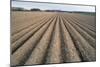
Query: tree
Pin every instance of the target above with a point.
(35, 9)
(17, 9)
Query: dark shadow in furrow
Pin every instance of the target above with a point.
(77, 18)
(88, 37)
(22, 61)
(49, 44)
(35, 45)
(33, 27)
(80, 24)
(86, 25)
(69, 44)
(74, 42)
(46, 55)
(24, 28)
(62, 44)
(29, 36)
(90, 32)
(86, 52)
(83, 20)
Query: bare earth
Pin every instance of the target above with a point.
(52, 37)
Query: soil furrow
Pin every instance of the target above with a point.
(54, 53)
(87, 52)
(20, 56)
(26, 30)
(37, 56)
(22, 40)
(90, 39)
(70, 50)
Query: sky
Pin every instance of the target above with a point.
(46, 6)
(88, 2)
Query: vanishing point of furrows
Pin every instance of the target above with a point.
(52, 37)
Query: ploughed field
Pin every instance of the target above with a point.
(52, 37)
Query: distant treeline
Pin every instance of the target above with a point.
(17, 9)
(37, 9)
(85, 13)
(23, 9)
(34, 9)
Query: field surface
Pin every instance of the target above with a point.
(52, 37)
